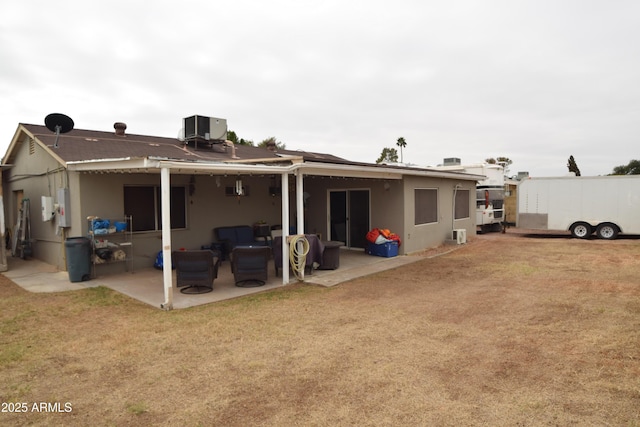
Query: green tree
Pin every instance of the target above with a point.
(233, 137)
(633, 168)
(401, 143)
(573, 166)
(273, 140)
(388, 155)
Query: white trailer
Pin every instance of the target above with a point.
(606, 205)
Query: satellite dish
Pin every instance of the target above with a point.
(181, 137)
(58, 123)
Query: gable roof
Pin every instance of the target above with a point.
(82, 145)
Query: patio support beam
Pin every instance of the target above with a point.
(300, 210)
(299, 202)
(165, 191)
(285, 227)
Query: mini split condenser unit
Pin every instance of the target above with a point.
(460, 236)
(208, 128)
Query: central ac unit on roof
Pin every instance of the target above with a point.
(460, 236)
(207, 128)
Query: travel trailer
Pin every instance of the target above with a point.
(489, 192)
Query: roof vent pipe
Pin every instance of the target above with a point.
(233, 148)
(120, 128)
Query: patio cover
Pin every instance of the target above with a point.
(166, 167)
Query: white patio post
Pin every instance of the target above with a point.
(285, 227)
(165, 191)
(300, 210)
(300, 202)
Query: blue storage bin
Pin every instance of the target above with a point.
(98, 224)
(387, 250)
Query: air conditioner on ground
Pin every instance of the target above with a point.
(460, 236)
(207, 128)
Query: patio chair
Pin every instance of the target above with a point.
(238, 235)
(249, 265)
(195, 270)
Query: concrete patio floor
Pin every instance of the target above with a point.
(146, 284)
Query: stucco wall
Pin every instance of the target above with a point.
(35, 174)
(208, 207)
(385, 200)
(418, 237)
(393, 207)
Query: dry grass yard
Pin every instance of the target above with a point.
(509, 330)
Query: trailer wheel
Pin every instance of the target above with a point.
(581, 230)
(607, 231)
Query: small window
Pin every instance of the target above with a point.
(139, 202)
(426, 205)
(462, 204)
(143, 203)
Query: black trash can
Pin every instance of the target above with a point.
(78, 250)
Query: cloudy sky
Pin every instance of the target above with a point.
(532, 80)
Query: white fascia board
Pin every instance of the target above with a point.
(121, 164)
(356, 171)
(348, 171)
(182, 167)
(151, 165)
(449, 175)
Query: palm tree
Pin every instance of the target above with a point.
(401, 143)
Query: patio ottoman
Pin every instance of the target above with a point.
(331, 255)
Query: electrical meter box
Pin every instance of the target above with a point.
(47, 208)
(64, 218)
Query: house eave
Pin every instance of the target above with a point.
(124, 164)
(153, 165)
(379, 172)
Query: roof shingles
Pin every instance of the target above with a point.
(82, 145)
